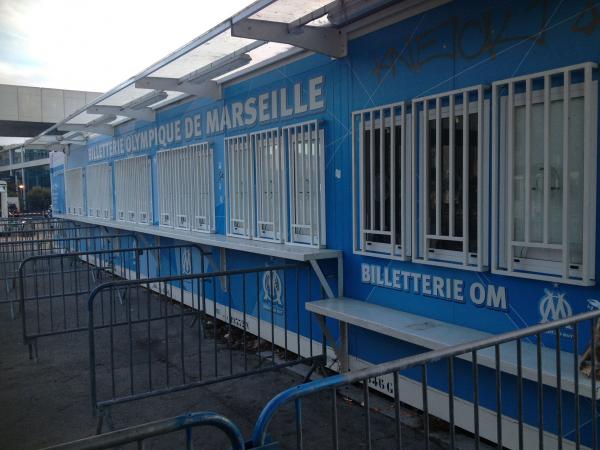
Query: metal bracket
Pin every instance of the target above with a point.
(324, 283)
(325, 40)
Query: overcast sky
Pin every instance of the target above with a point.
(94, 45)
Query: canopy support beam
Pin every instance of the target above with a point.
(325, 40)
(99, 129)
(146, 114)
(208, 89)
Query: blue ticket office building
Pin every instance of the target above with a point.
(438, 157)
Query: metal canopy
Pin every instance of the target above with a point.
(265, 32)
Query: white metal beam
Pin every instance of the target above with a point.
(99, 129)
(146, 113)
(325, 40)
(208, 89)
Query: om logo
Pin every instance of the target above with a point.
(186, 261)
(554, 306)
(272, 290)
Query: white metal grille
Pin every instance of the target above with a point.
(99, 191)
(305, 150)
(132, 190)
(270, 184)
(239, 184)
(451, 153)
(185, 188)
(380, 182)
(544, 167)
(74, 192)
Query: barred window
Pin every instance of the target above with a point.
(99, 191)
(239, 187)
(380, 188)
(544, 190)
(451, 146)
(74, 192)
(133, 190)
(270, 190)
(305, 145)
(185, 188)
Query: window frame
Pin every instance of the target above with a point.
(421, 238)
(203, 209)
(100, 194)
(239, 171)
(269, 168)
(298, 211)
(394, 114)
(136, 205)
(503, 259)
(78, 208)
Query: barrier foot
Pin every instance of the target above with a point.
(313, 367)
(30, 347)
(99, 422)
(104, 414)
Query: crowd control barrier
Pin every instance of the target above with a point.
(13, 253)
(220, 326)
(141, 434)
(561, 413)
(54, 288)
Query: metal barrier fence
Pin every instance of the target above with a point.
(54, 288)
(29, 231)
(572, 416)
(13, 223)
(221, 326)
(13, 253)
(140, 434)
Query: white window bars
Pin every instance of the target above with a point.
(74, 192)
(381, 191)
(99, 191)
(203, 188)
(305, 145)
(239, 187)
(450, 222)
(185, 188)
(133, 190)
(270, 190)
(544, 146)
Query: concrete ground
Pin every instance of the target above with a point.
(46, 402)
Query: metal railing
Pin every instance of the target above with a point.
(220, 326)
(54, 288)
(140, 434)
(542, 411)
(12, 254)
(29, 231)
(9, 223)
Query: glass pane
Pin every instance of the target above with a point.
(473, 140)
(387, 161)
(377, 180)
(575, 205)
(367, 178)
(445, 188)
(458, 175)
(430, 188)
(556, 173)
(398, 169)
(536, 174)
(519, 174)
